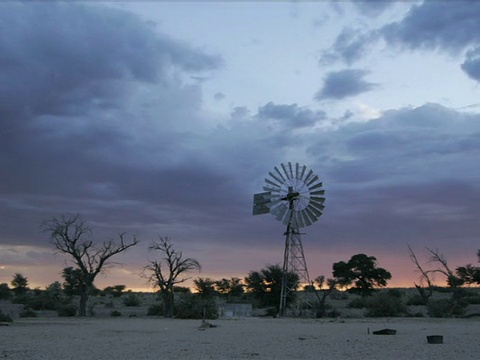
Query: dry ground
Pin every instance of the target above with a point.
(249, 338)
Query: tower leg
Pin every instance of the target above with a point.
(295, 269)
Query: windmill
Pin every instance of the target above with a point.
(294, 195)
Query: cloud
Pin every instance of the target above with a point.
(290, 116)
(349, 46)
(372, 7)
(471, 66)
(342, 84)
(430, 25)
(437, 25)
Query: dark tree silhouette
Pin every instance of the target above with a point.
(469, 274)
(232, 287)
(266, 285)
(361, 271)
(19, 284)
(323, 292)
(71, 236)
(169, 271)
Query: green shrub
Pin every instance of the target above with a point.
(395, 293)
(357, 303)
(442, 308)
(5, 292)
(474, 299)
(67, 310)
(5, 317)
(155, 310)
(193, 307)
(385, 305)
(115, 313)
(27, 313)
(131, 299)
(415, 300)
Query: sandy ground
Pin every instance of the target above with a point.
(249, 338)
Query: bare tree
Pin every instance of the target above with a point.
(169, 271)
(452, 280)
(71, 236)
(325, 292)
(425, 293)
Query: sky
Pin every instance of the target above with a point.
(164, 118)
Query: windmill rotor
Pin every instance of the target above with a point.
(293, 194)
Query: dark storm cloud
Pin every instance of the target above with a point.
(373, 7)
(291, 116)
(60, 58)
(431, 25)
(341, 84)
(437, 25)
(92, 109)
(408, 176)
(471, 66)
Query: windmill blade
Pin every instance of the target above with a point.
(285, 170)
(312, 180)
(318, 192)
(317, 199)
(311, 215)
(304, 168)
(297, 167)
(309, 174)
(317, 206)
(280, 174)
(291, 170)
(279, 212)
(300, 221)
(306, 219)
(286, 218)
(271, 189)
(269, 182)
(275, 177)
(316, 211)
(316, 186)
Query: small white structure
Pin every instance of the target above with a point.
(234, 310)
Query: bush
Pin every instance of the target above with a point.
(27, 313)
(131, 299)
(5, 292)
(358, 303)
(155, 310)
(442, 308)
(115, 313)
(474, 299)
(67, 310)
(5, 317)
(193, 307)
(385, 305)
(415, 300)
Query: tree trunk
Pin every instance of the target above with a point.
(168, 303)
(82, 309)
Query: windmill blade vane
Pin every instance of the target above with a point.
(285, 170)
(273, 183)
(279, 174)
(275, 177)
(316, 186)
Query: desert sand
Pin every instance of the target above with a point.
(244, 338)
